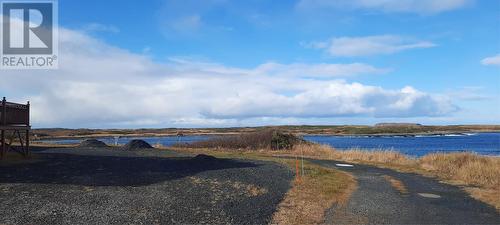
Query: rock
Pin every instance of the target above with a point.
(93, 143)
(137, 144)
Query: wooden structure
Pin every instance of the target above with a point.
(14, 125)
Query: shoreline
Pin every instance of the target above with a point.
(423, 134)
(334, 130)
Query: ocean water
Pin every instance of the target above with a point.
(165, 141)
(481, 143)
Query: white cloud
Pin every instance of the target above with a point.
(407, 6)
(318, 70)
(491, 61)
(99, 85)
(186, 23)
(369, 45)
(98, 27)
(188, 17)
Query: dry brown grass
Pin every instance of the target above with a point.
(307, 201)
(468, 168)
(311, 150)
(263, 139)
(381, 156)
(357, 155)
(480, 174)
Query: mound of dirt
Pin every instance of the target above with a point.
(203, 157)
(93, 143)
(206, 160)
(137, 144)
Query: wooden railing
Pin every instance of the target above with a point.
(14, 118)
(14, 114)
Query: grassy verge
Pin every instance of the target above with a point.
(319, 189)
(309, 198)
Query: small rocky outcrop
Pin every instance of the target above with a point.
(93, 143)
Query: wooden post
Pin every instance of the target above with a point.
(3, 123)
(302, 162)
(297, 171)
(4, 111)
(27, 150)
(2, 141)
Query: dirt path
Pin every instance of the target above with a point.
(409, 199)
(85, 186)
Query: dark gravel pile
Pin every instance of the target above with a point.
(102, 186)
(204, 158)
(136, 144)
(92, 143)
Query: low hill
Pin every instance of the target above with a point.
(379, 129)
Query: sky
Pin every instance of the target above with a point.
(222, 63)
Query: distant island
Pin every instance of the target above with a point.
(398, 124)
(377, 129)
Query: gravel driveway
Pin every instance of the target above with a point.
(427, 200)
(105, 186)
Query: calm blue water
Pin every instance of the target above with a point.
(165, 141)
(482, 143)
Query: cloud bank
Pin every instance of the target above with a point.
(99, 85)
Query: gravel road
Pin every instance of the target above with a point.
(106, 186)
(427, 201)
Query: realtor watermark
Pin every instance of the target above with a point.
(29, 34)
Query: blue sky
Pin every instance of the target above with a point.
(245, 63)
